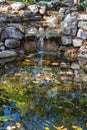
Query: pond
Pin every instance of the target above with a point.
(49, 91)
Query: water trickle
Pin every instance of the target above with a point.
(40, 43)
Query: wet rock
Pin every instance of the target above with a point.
(82, 25)
(4, 36)
(14, 19)
(26, 14)
(18, 5)
(6, 60)
(14, 33)
(12, 43)
(30, 47)
(82, 34)
(83, 52)
(75, 66)
(33, 8)
(3, 17)
(7, 53)
(77, 42)
(18, 26)
(66, 40)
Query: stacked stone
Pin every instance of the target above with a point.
(74, 30)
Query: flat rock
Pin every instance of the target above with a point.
(7, 53)
(12, 43)
(82, 25)
(14, 33)
(82, 17)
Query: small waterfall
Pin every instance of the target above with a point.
(40, 43)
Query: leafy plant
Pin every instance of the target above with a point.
(82, 6)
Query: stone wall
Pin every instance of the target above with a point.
(72, 26)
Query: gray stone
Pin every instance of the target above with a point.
(82, 25)
(18, 5)
(3, 1)
(7, 53)
(4, 36)
(77, 42)
(33, 8)
(82, 17)
(3, 17)
(17, 26)
(73, 30)
(2, 48)
(65, 29)
(83, 52)
(14, 33)
(1, 43)
(26, 14)
(82, 34)
(6, 60)
(66, 40)
(70, 20)
(75, 66)
(68, 26)
(42, 9)
(12, 43)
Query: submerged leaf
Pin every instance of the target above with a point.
(5, 118)
(76, 127)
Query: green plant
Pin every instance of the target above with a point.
(82, 6)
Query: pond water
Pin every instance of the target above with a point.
(47, 90)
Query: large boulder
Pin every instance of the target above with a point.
(7, 53)
(18, 5)
(14, 33)
(12, 43)
(68, 26)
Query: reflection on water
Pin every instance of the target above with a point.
(49, 92)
